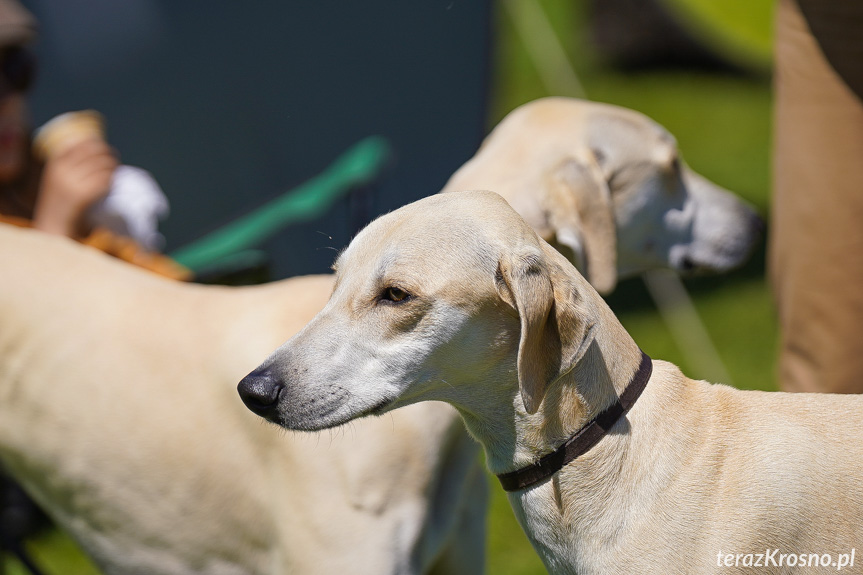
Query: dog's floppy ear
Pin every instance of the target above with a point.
(550, 343)
(580, 211)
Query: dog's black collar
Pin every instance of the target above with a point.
(585, 438)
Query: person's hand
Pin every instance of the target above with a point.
(73, 180)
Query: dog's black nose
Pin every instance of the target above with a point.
(687, 265)
(260, 392)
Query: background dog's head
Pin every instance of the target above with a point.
(607, 186)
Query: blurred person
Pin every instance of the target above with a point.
(18, 172)
(81, 191)
(815, 255)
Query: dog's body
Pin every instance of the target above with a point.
(118, 413)
(455, 298)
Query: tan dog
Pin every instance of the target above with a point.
(607, 187)
(118, 412)
(455, 298)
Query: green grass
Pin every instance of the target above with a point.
(722, 124)
(739, 29)
(53, 552)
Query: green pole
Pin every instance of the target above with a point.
(358, 166)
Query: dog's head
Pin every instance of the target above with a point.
(666, 214)
(607, 186)
(451, 298)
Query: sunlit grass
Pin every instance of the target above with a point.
(740, 29)
(54, 553)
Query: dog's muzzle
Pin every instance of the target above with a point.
(260, 392)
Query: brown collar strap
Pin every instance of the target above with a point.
(584, 439)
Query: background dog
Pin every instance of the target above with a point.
(607, 186)
(118, 414)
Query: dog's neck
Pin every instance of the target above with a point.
(561, 515)
(513, 438)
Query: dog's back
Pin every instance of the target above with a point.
(802, 453)
(747, 470)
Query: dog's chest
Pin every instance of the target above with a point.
(544, 525)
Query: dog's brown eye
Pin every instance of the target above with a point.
(395, 294)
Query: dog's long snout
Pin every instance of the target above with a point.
(260, 391)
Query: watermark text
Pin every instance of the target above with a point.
(775, 558)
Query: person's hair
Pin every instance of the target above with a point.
(17, 26)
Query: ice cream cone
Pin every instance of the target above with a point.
(66, 130)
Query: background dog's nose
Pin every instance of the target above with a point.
(260, 391)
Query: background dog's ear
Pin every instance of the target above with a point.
(581, 214)
(553, 338)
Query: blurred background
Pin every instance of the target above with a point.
(230, 107)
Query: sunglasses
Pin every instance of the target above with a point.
(17, 70)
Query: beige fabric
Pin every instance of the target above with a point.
(816, 243)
